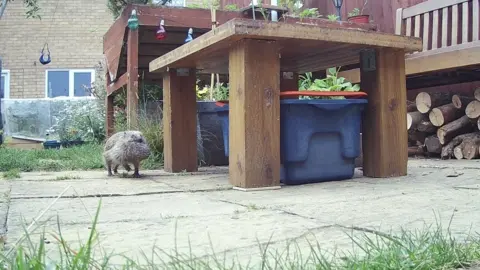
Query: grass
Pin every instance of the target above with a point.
(67, 177)
(432, 247)
(84, 157)
(12, 174)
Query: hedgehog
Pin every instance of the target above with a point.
(124, 148)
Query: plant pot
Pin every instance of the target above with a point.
(51, 145)
(359, 19)
(309, 129)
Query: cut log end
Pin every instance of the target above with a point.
(461, 102)
(433, 145)
(457, 152)
(473, 109)
(454, 128)
(414, 118)
(476, 94)
(426, 101)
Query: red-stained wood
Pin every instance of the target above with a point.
(179, 121)
(132, 79)
(113, 87)
(109, 113)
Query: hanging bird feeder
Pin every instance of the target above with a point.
(161, 33)
(189, 35)
(133, 20)
(45, 55)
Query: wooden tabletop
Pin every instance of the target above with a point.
(303, 47)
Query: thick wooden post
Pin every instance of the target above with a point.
(109, 113)
(288, 81)
(385, 149)
(180, 120)
(132, 79)
(254, 158)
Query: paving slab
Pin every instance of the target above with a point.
(203, 210)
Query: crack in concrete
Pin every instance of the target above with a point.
(120, 194)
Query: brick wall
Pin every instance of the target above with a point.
(74, 34)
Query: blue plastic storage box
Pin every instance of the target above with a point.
(319, 138)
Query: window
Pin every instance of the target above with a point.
(68, 83)
(5, 84)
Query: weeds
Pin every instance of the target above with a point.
(428, 248)
(12, 174)
(67, 177)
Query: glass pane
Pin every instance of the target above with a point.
(57, 83)
(82, 81)
(2, 86)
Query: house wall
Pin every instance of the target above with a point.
(73, 30)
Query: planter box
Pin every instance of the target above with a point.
(319, 139)
(51, 145)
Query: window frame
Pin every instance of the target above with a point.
(6, 89)
(71, 82)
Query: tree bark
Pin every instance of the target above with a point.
(470, 148)
(444, 114)
(417, 136)
(457, 152)
(414, 118)
(416, 151)
(427, 127)
(433, 144)
(426, 101)
(460, 126)
(461, 102)
(411, 106)
(473, 109)
(447, 150)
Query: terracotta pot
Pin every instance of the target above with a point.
(359, 19)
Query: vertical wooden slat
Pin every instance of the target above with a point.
(254, 154)
(408, 28)
(132, 79)
(109, 113)
(444, 27)
(384, 116)
(465, 17)
(399, 22)
(476, 19)
(454, 25)
(179, 121)
(417, 26)
(435, 30)
(426, 30)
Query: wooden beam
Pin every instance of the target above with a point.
(255, 114)
(288, 81)
(132, 79)
(109, 112)
(179, 121)
(237, 29)
(452, 57)
(428, 6)
(384, 134)
(113, 87)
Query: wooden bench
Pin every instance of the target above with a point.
(450, 33)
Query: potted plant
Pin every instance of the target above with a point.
(357, 16)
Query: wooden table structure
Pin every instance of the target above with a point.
(255, 54)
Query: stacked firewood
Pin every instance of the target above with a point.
(445, 125)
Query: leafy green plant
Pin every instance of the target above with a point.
(221, 92)
(331, 83)
(309, 13)
(231, 7)
(354, 12)
(332, 17)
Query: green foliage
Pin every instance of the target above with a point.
(309, 13)
(116, 6)
(222, 92)
(331, 83)
(332, 17)
(231, 7)
(11, 174)
(354, 12)
(31, 5)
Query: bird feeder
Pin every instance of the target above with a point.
(189, 35)
(133, 20)
(45, 55)
(161, 33)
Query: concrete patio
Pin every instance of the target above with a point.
(139, 213)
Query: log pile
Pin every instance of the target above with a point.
(445, 125)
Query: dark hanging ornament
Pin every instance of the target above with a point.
(161, 33)
(45, 55)
(189, 35)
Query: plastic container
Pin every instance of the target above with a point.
(51, 145)
(211, 130)
(319, 138)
